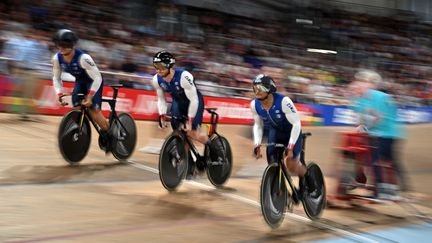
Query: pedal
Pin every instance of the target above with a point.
(103, 144)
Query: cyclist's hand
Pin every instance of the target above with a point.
(257, 152)
(288, 153)
(288, 156)
(162, 121)
(188, 126)
(61, 100)
(87, 101)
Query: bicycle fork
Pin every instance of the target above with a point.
(81, 122)
(295, 193)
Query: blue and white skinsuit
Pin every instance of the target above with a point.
(283, 122)
(186, 98)
(88, 79)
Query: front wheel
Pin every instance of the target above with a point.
(273, 195)
(219, 160)
(74, 136)
(123, 136)
(173, 162)
(315, 201)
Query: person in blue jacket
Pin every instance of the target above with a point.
(378, 117)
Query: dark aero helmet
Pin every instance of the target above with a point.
(266, 83)
(65, 38)
(164, 57)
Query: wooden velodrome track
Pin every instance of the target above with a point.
(45, 200)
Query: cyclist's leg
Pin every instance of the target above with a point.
(293, 163)
(78, 89)
(96, 112)
(196, 132)
(96, 115)
(175, 115)
(271, 151)
(275, 137)
(295, 166)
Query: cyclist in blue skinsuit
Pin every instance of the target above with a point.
(186, 98)
(187, 101)
(88, 79)
(278, 113)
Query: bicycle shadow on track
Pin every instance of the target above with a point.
(25, 174)
(186, 205)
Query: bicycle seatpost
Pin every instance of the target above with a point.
(116, 87)
(214, 117)
(115, 92)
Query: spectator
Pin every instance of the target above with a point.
(378, 117)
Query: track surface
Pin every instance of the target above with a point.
(45, 200)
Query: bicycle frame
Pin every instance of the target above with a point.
(112, 116)
(275, 196)
(283, 170)
(214, 118)
(192, 147)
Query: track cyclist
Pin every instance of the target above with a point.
(280, 115)
(187, 100)
(88, 79)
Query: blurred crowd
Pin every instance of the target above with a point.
(223, 50)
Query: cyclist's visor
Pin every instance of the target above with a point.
(260, 87)
(159, 66)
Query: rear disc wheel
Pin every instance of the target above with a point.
(314, 201)
(219, 164)
(123, 132)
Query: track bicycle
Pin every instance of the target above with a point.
(179, 156)
(275, 197)
(74, 134)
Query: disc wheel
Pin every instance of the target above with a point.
(124, 136)
(273, 196)
(74, 142)
(315, 201)
(173, 162)
(219, 162)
